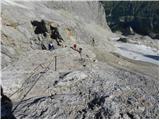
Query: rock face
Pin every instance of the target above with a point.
(19, 34)
(90, 11)
(64, 82)
(92, 92)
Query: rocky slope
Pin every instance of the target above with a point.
(96, 84)
(18, 33)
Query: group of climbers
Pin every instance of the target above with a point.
(41, 29)
(54, 34)
(79, 50)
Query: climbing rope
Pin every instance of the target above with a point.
(33, 72)
(42, 73)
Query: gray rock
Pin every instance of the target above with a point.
(77, 88)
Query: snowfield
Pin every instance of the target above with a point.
(137, 52)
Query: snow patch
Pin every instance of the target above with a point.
(137, 52)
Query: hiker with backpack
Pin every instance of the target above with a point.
(50, 46)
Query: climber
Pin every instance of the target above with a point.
(80, 52)
(50, 46)
(74, 46)
(93, 42)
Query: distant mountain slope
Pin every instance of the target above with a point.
(142, 16)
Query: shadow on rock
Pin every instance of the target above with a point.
(155, 57)
(6, 107)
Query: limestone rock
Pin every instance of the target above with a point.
(64, 83)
